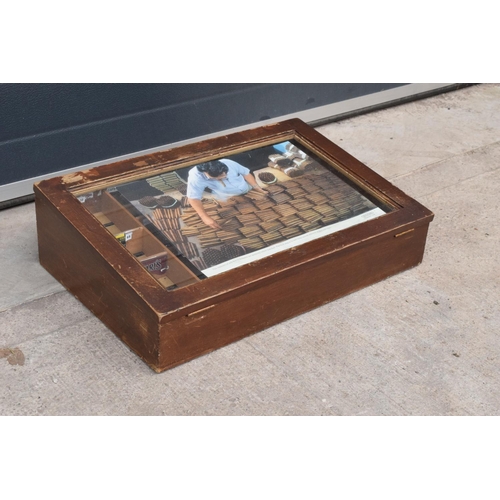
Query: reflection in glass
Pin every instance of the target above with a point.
(199, 221)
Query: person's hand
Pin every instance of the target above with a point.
(210, 222)
(259, 189)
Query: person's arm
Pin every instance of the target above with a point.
(198, 206)
(251, 180)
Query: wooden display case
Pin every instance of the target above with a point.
(174, 282)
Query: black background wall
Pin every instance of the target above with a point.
(46, 128)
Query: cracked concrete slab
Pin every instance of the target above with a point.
(82, 369)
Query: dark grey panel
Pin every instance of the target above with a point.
(46, 128)
(34, 109)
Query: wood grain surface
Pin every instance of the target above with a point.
(169, 327)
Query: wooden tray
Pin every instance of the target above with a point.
(144, 280)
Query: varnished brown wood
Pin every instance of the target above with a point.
(80, 268)
(297, 291)
(166, 328)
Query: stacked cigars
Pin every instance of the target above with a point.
(254, 221)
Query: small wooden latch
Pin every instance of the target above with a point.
(404, 232)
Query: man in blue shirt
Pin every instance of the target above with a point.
(225, 178)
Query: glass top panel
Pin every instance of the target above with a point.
(195, 222)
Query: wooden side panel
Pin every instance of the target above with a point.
(294, 292)
(168, 328)
(65, 254)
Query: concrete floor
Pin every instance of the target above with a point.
(424, 342)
